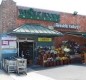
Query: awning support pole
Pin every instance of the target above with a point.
(18, 48)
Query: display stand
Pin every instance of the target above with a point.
(21, 65)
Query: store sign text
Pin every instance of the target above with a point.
(44, 39)
(68, 26)
(38, 15)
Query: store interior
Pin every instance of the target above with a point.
(26, 51)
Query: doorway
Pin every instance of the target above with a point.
(26, 51)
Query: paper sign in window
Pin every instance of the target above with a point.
(12, 44)
(5, 43)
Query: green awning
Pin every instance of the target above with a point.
(82, 34)
(35, 30)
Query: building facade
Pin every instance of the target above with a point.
(9, 19)
(13, 17)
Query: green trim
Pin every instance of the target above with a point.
(83, 34)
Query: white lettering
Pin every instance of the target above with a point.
(66, 26)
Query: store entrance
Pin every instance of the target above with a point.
(26, 51)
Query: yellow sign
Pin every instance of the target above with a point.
(44, 39)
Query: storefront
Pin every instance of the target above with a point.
(31, 36)
(24, 29)
(23, 41)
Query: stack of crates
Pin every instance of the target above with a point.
(9, 65)
(21, 64)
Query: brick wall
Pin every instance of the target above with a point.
(9, 20)
(80, 20)
(7, 15)
(65, 18)
(0, 20)
(20, 22)
(80, 40)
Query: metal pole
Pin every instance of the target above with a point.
(18, 48)
(33, 52)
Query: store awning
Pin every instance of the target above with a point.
(81, 34)
(36, 30)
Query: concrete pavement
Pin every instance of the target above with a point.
(31, 75)
(4, 76)
(67, 72)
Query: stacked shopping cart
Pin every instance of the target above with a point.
(9, 65)
(18, 65)
(21, 65)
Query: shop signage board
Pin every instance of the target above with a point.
(8, 42)
(8, 46)
(38, 15)
(67, 26)
(5, 42)
(44, 39)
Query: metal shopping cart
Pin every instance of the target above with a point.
(21, 64)
(9, 65)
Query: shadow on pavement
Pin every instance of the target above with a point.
(38, 67)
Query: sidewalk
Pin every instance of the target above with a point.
(31, 75)
(4, 76)
(67, 72)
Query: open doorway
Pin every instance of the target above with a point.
(26, 51)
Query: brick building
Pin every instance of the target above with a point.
(13, 17)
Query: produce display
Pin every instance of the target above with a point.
(68, 53)
(52, 57)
